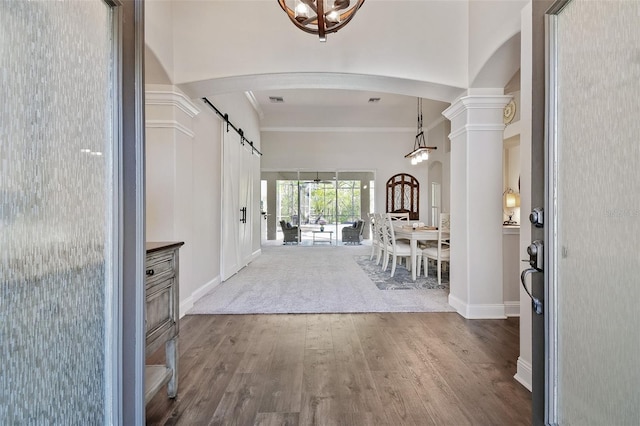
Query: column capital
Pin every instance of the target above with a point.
(164, 95)
(476, 102)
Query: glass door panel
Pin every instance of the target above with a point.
(595, 249)
(317, 199)
(288, 201)
(354, 198)
(58, 186)
(287, 207)
(323, 201)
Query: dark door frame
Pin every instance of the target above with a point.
(132, 214)
(538, 198)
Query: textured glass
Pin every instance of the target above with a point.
(599, 213)
(56, 136)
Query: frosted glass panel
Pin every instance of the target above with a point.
(56, 137)
(599, 213)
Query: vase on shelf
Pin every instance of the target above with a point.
(321, 228)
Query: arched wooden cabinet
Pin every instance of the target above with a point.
(403, 195)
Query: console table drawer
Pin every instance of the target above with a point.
(159, 264)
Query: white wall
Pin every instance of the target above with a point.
(205, 204)
(491, 23)
(179, 152)
(438, 135)
(523, 374)
(381, 152)
(511, 266)
(158, 32)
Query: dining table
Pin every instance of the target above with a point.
(415, 235)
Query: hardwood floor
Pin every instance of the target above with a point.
(345, 369)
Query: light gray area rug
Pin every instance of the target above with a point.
(316, 279)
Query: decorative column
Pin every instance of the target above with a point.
(476, 136)
(365, 198)
(272, 207)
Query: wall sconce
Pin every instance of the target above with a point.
(510, 200)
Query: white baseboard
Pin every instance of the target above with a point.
(256, 254)
(185, 305)
(524, 374)
(457, 304)
(188, 303)
(197, 295)
(485, 311)
(512, 309)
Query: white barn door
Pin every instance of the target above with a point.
(237, 205)
(230, 252)
(245, 205)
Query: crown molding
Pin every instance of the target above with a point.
(339, 129)
(169, 124)
(476, 102)
(170, 98)
(255, 104)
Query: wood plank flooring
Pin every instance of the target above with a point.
(345, 369)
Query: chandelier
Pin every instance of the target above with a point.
(320, 16)
(420, 151)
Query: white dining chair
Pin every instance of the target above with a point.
(380, 230)
(399, 216)
(374, 234)
(396, 248)
(441, 252)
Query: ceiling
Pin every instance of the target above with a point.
(321, 108)
(395, 50)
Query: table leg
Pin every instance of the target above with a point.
(171, 353)
(414, 248)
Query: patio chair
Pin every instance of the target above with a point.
(290, 232)
(353, 234)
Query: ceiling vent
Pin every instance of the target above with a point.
(276, 99)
